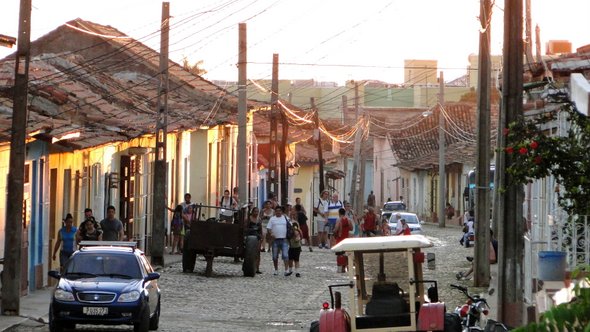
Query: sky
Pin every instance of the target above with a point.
(327, 40)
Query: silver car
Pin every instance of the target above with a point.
(411, 219)
(390, 207)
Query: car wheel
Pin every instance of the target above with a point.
(53, 325)
(144, 324)
(251, 252)
(155, 320)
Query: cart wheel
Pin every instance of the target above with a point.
(251, 252)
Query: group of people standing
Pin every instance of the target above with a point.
(331, 221)
(273, 223)
(69, 236)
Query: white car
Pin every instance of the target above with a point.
(411, 219)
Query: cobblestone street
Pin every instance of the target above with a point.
(230, 302)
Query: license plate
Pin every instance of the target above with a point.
(95, 311)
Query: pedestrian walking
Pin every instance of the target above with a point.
(333, 207)
(398, 224)
(177, 230)
(298, 202)
(90, 233)
(405, 228)
(254, 227)
(369, 224)
(320, 213)
(277, 227)
(87, 217)
(371, 200)
(112, 228)
(301, 219)
(295, 249)
(341, 231)
(267, 212)
(351, 215)
(66, 239)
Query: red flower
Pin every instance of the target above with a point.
(534, 145)
(509, 150)
(523, 150)
(506, 131)
(538, 160)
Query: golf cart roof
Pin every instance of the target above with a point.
(381, 243)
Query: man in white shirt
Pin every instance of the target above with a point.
(277, 228)
(399, 228)
(320, 214)
(470, 231)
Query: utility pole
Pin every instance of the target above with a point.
(356, 154)
(442, 181)
(482, 173)
(344, 108)
(272, 143)
(529, 35)
(160, 167)
(242, 161)
(283, 155)
(510, 228)
(363, 160)
(11, 276)
(318, 137)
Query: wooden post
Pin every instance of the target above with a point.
(242, 161)
(160, 166)
(319, 144)
(274, 97)
(482, 173)
(510, 228)
(11, 276)
(442, 175)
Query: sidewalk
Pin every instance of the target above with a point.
(35, 305)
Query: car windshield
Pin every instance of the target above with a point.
(394, 206)
(409, 217)
(85, 265)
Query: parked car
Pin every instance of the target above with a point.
(411, 219)
(390, 207)
(106, 283)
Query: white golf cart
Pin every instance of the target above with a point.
(386, 289)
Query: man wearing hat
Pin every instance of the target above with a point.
(67, 235)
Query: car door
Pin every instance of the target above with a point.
(151, 285)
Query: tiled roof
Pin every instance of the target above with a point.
(106, 89)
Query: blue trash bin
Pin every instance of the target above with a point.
(551, 265)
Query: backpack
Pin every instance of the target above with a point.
(290, 231)
(317, 208)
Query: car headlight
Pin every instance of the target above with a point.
(63, 295)
(129, 297)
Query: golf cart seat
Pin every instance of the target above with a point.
(386, 300)
(386, 308)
